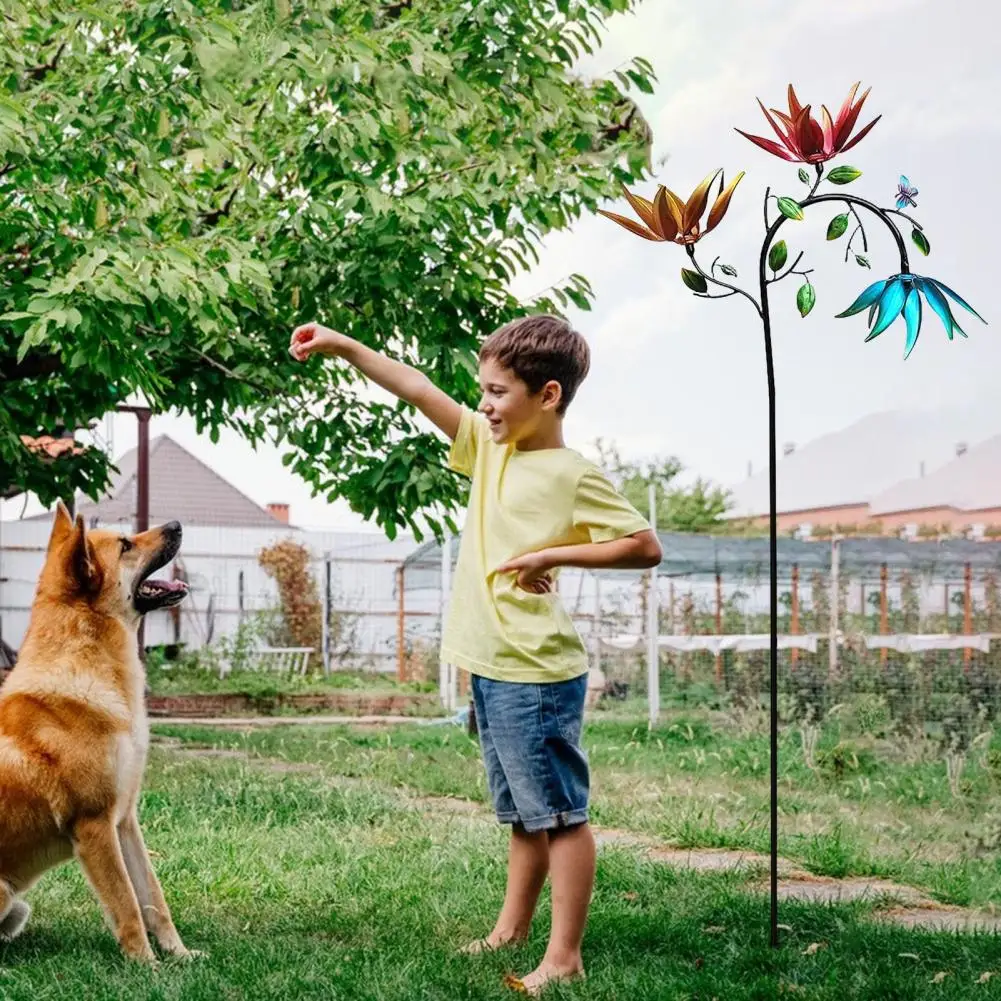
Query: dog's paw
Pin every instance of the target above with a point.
(14, 921)
(186, 955)
(141, 953)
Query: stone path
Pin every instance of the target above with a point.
(894, 903)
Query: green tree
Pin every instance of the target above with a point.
(699, 507)
(182, 183)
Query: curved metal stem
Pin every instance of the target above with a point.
(789, 270)
(690, 249)
(819, 168)
(858, 229)
(904, 215)
(882, 214)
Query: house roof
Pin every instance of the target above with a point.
(48, 446)
(181, 488)
(970, 482)
(854, 465)
(45, 448)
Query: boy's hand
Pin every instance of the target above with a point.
(533, 572)
(313, 339)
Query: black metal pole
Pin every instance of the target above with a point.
(142, 501)
(773, 614)
(142, 493)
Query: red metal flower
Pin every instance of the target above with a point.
(804, 139)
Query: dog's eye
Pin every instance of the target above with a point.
(126, 545)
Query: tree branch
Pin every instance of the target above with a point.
(253, 383)
(444, 173)
(395, 10)
(29, 367)
(41, 72)
(212, 218)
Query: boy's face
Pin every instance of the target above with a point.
(514, 413)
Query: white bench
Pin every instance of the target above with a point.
(282, 659)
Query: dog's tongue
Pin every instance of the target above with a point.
(165, 585)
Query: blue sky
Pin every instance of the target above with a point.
(674, 374)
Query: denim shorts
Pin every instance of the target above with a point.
(530, 739)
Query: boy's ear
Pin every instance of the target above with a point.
(552, 395)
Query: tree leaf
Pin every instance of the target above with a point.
(837, 226)
(921, 241)
(843, 175)
(806, 297)
(803, 175)
(789, 207)
(694, 280)
(862, 261)
(729, 270)
(778, 255)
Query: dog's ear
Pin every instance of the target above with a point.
(83, 564)
(62, 527)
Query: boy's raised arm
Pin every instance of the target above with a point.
(400, 379)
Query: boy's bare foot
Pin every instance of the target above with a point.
(543, 975)
(491, 944)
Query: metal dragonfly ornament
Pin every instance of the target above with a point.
(906, 194)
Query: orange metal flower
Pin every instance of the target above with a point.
(804, 139)
(669, 219)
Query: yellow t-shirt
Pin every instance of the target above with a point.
(522, 502)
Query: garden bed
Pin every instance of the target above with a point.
(345, 703)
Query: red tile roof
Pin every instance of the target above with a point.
(51, 447)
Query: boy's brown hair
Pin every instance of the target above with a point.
(540, 349)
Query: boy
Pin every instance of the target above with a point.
(535, 506)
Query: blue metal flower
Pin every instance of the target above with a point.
(887, 299)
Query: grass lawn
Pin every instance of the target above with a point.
(695, 782)
(307, 886)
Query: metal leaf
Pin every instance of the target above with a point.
(806, 298)
(694, 280)
(789, 207)
(837, 226)
(778, 255)
(844, 175)
(921, 241)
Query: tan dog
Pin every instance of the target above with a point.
(74, 733)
